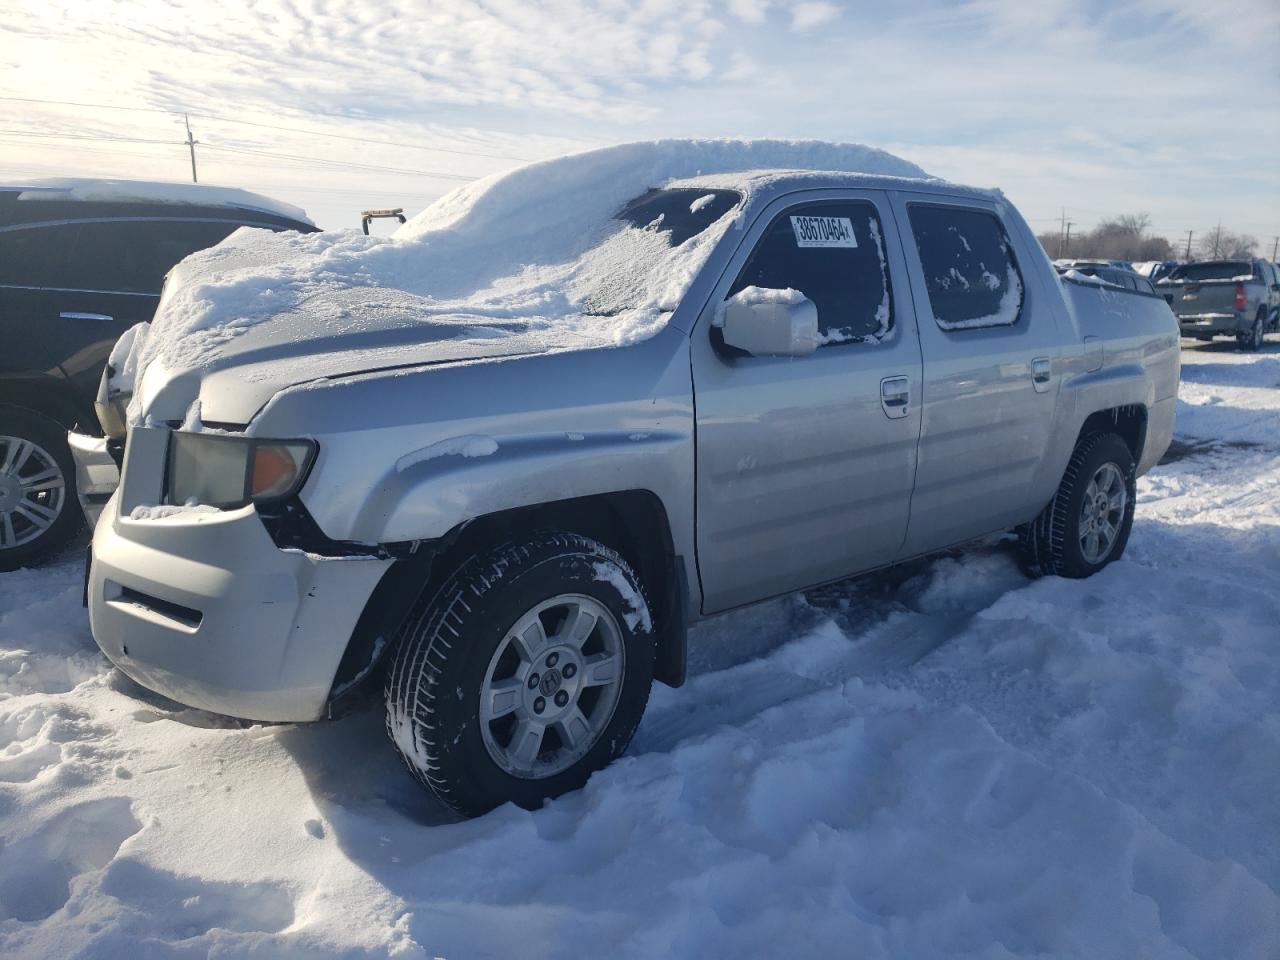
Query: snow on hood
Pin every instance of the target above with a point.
(508, 264)
(148, 191)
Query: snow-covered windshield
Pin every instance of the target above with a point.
(1211, 270)
(621, 268)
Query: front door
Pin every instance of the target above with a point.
(805, 465)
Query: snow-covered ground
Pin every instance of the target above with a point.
(946, 760)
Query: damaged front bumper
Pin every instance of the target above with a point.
(97, 474)
(206, 609)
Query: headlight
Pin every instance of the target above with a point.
(224, 471)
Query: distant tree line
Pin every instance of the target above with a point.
(1129, 237)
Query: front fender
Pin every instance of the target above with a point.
(422, 499)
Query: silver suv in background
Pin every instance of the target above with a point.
(1211, 298)
(855, 370)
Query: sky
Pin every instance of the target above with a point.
(1168, 107)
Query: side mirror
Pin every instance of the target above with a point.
(771, 323)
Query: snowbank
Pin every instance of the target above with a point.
(528, 250)
(146, 191)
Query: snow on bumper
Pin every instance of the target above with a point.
(207, 610)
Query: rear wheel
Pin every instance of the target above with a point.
(1256, 335)
(527, 671)
(1087, 523)
(38, 508)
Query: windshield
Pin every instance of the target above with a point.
(1212, 270)
(619, 271)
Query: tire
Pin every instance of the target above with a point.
(1256, 337)
(1056, 543)
(39, 511)
(459, 659)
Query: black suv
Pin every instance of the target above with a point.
(80, 263)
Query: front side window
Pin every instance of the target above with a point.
(969, 270)
(834, 254)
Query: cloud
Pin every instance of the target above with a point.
(1058, 102)
(806, 16)
(749, 11)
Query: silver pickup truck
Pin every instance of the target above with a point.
(1239, 298)
(743, 384)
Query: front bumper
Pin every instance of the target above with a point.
(97, 475)
(1209, 324)
(205, 609)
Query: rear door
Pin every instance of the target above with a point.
(805, 465)
(993, 355)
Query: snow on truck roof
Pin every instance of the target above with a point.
(154, 191)
(535, 252)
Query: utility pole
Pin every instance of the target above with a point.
(1188, 256)
(1062, 229)
(1066, 240)
(191, 145)
(1275, 248)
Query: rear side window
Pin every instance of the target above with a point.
(132, 256)
(834, 254)
(969, 270)
(33, 256)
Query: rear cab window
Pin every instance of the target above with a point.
(1211, 270)
(832, 252)
(970, 273)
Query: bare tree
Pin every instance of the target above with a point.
(1220, 244)
(1126, 237)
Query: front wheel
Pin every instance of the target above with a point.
(1087, 523)
(527, 671)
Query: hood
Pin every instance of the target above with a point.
(331, 335)
(531, 260)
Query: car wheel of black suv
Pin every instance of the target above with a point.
(1086, 525)
(528, 670)
(1256, 337)
(38, 508)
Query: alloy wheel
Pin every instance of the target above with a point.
(33, 491)
(551, 686)
(1102, 513)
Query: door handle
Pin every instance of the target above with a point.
(895, 396)
(77, 315)
(1041, 372)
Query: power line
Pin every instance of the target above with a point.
(222, 118)
(318, 161)
(339, 136)
(340, 163)
(86, 136)
(90, 106)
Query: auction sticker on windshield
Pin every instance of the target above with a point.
(823, 231)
